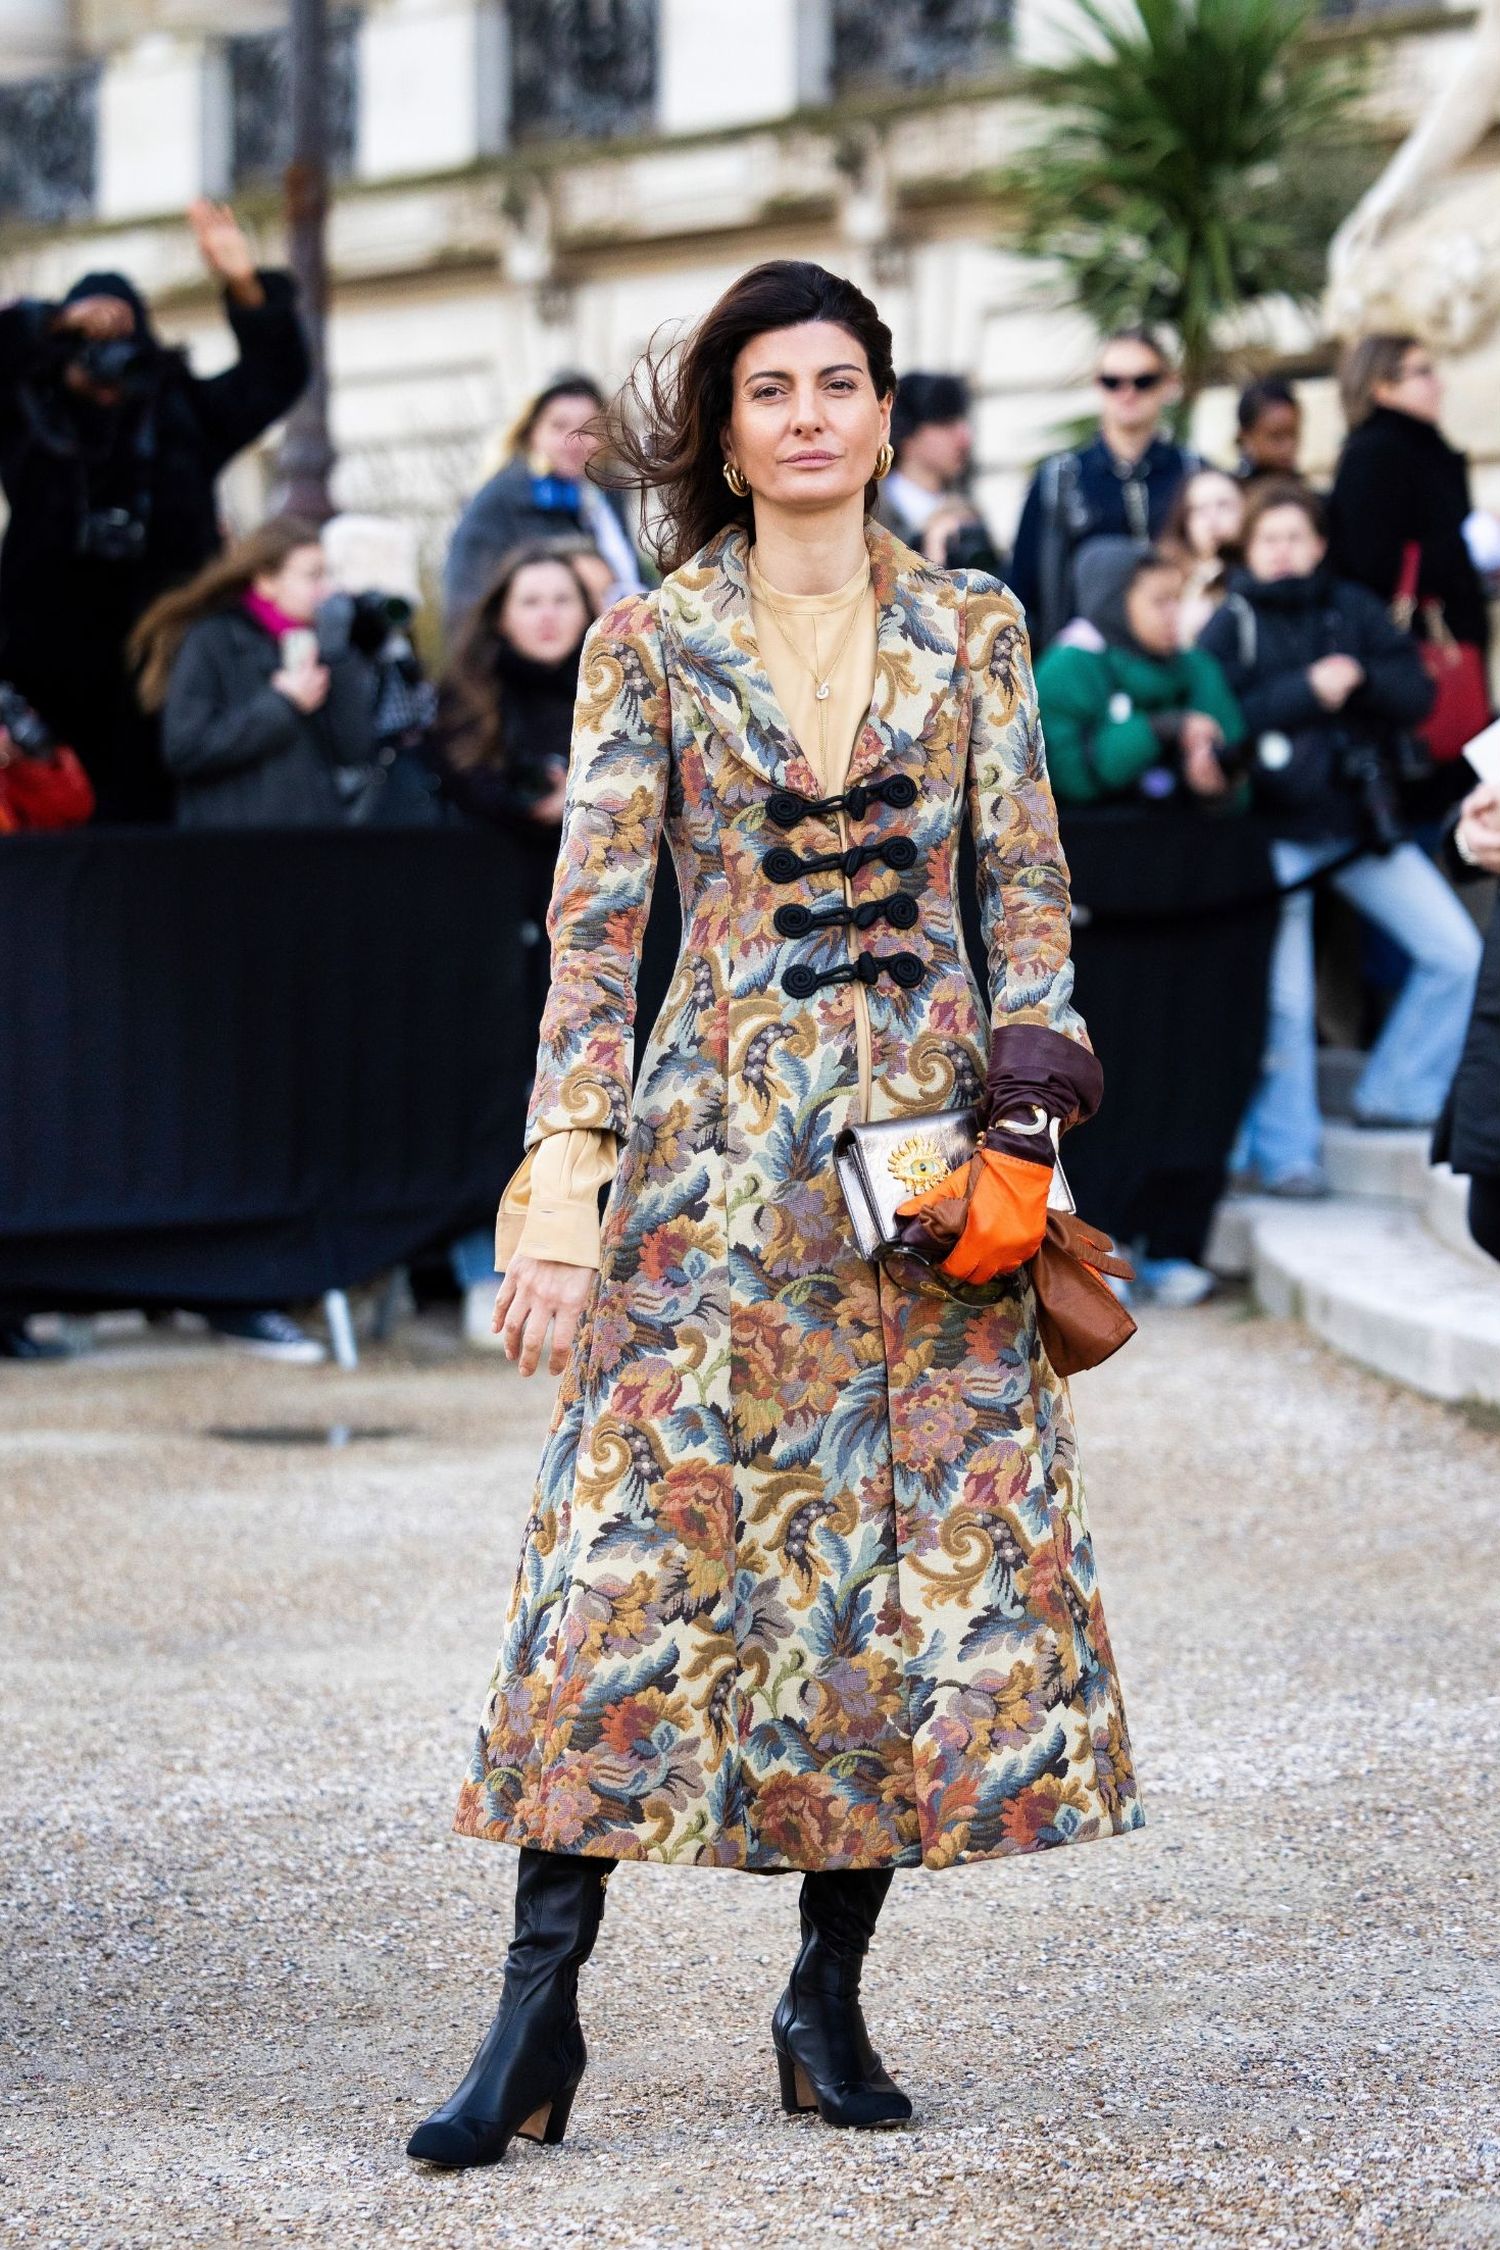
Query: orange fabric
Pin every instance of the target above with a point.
(1007, 1214)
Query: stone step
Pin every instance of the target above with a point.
(1375, 1283)
(1390, 1167)
(1446, 1210)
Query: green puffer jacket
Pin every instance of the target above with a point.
(1097, 707)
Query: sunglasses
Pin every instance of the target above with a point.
(1129, 382)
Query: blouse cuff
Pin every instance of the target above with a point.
(550, 1208)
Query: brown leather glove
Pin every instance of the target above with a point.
(1033, 1068)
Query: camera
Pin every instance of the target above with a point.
(112, 535)
(376, 620)
(1363, 771)
(31, 735)
(116, 363)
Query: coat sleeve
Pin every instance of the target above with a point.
(1372, 513)
(1212, 694)
(606, 868)
(209, 728)
(1039, 1049)
(1026, 555)
(482, 536)
(1269, 699)
(268, 378)
(1089, 754)
(1397, 687)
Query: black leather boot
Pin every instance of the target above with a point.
(823, 2050)
(526, 2072)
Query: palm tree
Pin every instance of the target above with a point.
(1199, 158)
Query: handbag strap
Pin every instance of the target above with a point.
(1404, 600)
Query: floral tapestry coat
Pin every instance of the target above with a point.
(807, 1581)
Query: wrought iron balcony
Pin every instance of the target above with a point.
(917, 42)
(48, 139)
(582, 69)
(260, 101)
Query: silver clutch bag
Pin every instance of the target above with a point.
(880, 1165)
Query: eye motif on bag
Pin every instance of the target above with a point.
(918, 1163)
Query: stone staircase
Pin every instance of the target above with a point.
(1384, 1270)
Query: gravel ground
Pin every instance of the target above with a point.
(244, 1954)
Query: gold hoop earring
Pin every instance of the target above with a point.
(735, 480)
(885, 461)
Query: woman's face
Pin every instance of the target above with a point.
(1151, 608)
(544, 614)
(805, 423)
(1284, 545)
(1214, 513)
(300, 587)
(1418, 389)
(561, 441)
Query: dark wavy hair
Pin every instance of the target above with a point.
(662, 432)
(471, 691)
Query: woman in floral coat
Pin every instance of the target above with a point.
(807, 1583)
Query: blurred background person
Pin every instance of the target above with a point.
(542, 491)
(258, 726)
(1327, 683)
(925, 499)
(42, 784)
(1203, 539)
(109, 450)
(1403, 523)
(1141, 721)
(1268, 419)
(1122, 484)
(1468, 1134)
(370, 612)
(504, 733)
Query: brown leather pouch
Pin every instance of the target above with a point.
(1079, 1318)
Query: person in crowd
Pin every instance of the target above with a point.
(1327, 682)
(759, 1437)
(1468, 1134)
(1400, 484)
(543, 491)
(1122, 484)
(925, 499)
(1202, 537)
(1140, 718)
(370, 612)
(109, 451)
(1269, 421)
(1142, 721)
(259, 728)
(505, 727)
(42, 784)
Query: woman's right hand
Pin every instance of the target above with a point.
(306, 685)
(536, 1293)
(1479, 827)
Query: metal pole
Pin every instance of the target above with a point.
(307, 453)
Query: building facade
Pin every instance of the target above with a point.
(526, 185)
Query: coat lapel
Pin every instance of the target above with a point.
(706, 612)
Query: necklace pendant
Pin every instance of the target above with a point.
(822, 691)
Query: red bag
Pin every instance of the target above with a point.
(50, 792)
(1462, 709)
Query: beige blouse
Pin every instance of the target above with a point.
(550, 1208)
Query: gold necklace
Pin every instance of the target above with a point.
(822, 685)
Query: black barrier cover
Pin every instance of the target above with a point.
(256, 1066)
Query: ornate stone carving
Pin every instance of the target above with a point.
(1421, 249)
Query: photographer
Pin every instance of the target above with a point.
(42, 785)
(109, 448)
(1329, 685)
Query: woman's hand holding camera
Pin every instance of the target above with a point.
(1333, 679)
(304, 683)
(534, 1293)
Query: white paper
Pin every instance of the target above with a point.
(1483, 753)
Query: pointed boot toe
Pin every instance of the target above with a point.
(455, 2143)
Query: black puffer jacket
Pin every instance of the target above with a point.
(241, 754)
(1399, 483)
(1265, 636)
(1468, 1132)
(536, 731)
